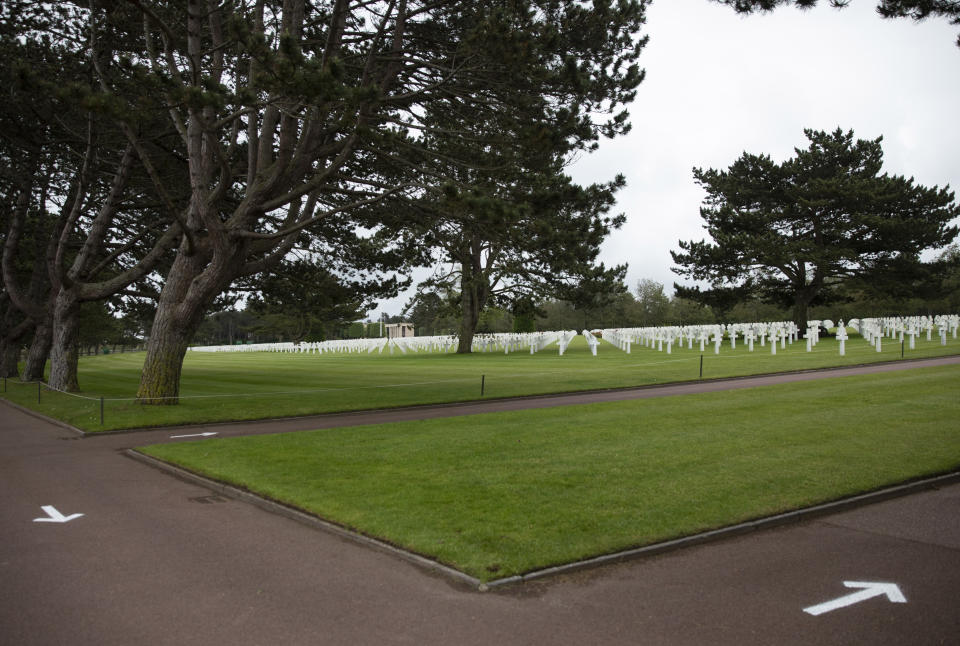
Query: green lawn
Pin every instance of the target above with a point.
(500, 494)
(219, 387)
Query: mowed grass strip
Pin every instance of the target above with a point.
(500, 494)
(242, 386)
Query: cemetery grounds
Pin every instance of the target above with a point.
(500, 494)
(219, 386)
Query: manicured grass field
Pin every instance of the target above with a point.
(220, 387)
(501, 494)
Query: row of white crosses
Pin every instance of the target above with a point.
(503, 342)
(900, 327)
(520, 341)
(781, 333)
(349, 346)
(873, 330)
(812, 334)
(566, 336)
(346, 345)
(664, 338)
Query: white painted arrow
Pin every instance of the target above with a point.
(869, 591)
(208, 434)
(55, 516)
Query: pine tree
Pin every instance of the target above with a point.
(790, 231)
(233, 131)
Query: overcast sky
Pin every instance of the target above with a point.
(719, 84)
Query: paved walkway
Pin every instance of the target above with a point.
(155, 560)
(260, 427)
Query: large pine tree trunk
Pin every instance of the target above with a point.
(39, 351)
(468, 320)
(473, 297)
(166, 349)
(10, 348)
(9, 355)
(11, 340)
(63, 351)
(801, 305)
(191, 287)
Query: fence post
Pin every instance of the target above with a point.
(701, 366)
(483, 379)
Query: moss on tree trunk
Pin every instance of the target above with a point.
(193, 283)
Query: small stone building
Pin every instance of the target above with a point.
(395, 330)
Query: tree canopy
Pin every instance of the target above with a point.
(80, 183)
(510, 242)
(235, 132)
(791, 231)
(504, 223)
(299, 298)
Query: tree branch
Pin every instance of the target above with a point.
(305, 223)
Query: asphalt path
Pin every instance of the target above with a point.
(157, 560)
(286, 425)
